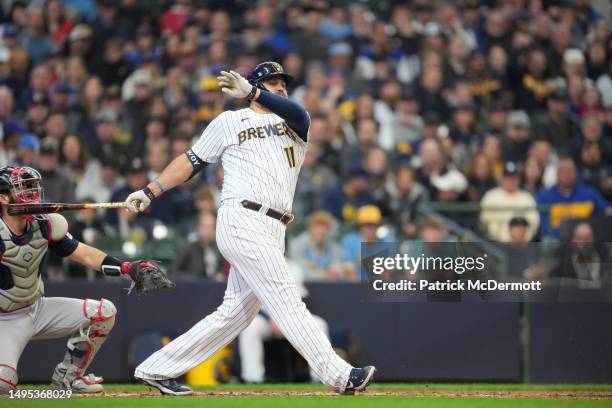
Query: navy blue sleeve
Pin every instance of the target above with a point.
(296, 116)
(64, 247)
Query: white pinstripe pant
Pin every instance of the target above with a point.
(253, 243)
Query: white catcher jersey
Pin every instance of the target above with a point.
(260, 154)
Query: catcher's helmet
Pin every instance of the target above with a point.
(24, 181)
(267, 70)
(5, 178)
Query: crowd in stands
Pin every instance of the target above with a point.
(414, 105)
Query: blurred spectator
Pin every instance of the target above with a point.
(594, 171)
(38, 84)
(80, 46)
(328, 155)
(517, 141)
(351, 193)
(407, 124)
(604, 85)
(210, 103)
(106, 24)
(55, 128)
(497, 119)
(28, 150)
(522, 256)
(99, 180)
(318, 256)
(6, 104)
(429, 93)
(310, 43)
(158, 157)
(369, 219)
(138, 92)
(533, 91)
(518, 230)
(12, 131)
(73, 157)
(87, 227)
(484, 85)
(585, 259)
(62, 99)
(389, 94)
(57, 22)
(558, 126)
(175, 18)
(205, 201)
(377, 165)
(532, 176)
(106, 144)
(85, 8)
(35, 38)
(542, 152)
(200, 257)
(112, 69)
(503, 203)
(592, 132)
(480, 177)
(567, 199)
(174, 91)
(406, 197)
(57, 184)
(463, 127)
(36, 114)
(314, 180)
(443, 181)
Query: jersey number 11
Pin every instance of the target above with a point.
(290, 153)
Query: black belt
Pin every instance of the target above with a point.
(284, 217)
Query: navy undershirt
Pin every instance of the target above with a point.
(295, 115)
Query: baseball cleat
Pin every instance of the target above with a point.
(169, 386)
(359, 379)
(89, 384)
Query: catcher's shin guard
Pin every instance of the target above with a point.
(84, 344)
(8, 379)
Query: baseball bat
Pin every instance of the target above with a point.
(46, 208)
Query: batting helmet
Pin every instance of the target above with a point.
(265, 70)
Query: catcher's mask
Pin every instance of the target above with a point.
(22, 185)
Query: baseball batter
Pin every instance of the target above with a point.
(25, 314)
(261, 149)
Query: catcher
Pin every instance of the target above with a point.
(25, 314)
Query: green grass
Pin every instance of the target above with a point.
(360, 401)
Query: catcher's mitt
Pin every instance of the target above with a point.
(146, 276)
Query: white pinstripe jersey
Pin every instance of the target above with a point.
(260, 154)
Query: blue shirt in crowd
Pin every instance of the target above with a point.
(582, 202)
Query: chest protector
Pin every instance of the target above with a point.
(19, 265)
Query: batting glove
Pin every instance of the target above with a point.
(138, 201)
(234, 85)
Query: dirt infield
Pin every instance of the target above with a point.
(582, 395)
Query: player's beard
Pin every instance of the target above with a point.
(282, 93)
